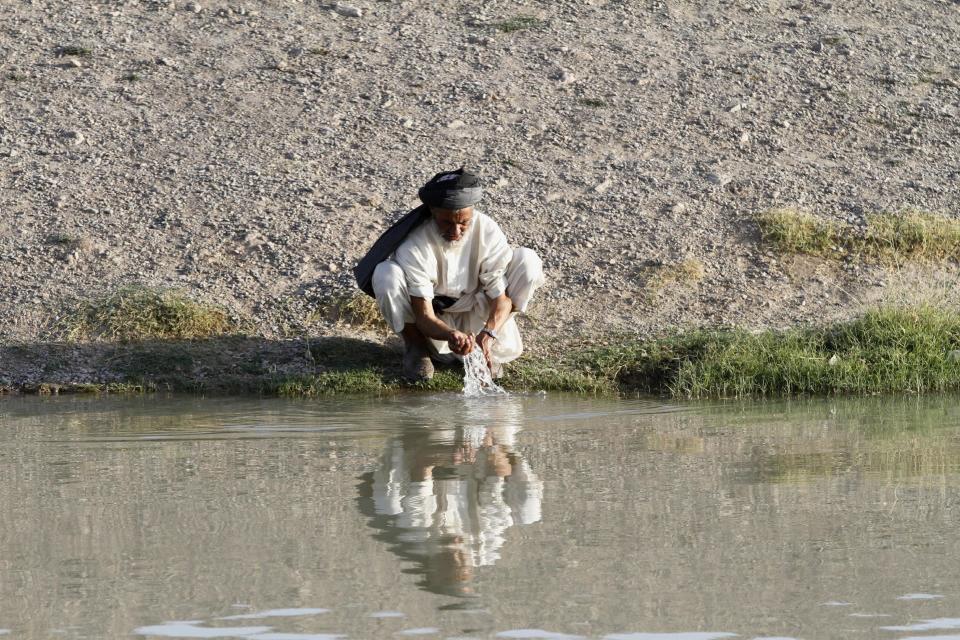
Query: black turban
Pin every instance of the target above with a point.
(452, 190)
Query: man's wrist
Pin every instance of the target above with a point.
(489, 332)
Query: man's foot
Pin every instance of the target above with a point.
(417, 366)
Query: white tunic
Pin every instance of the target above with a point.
(476, 269)
(434, 266)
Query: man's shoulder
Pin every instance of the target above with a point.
(419, 237)
(484, 221)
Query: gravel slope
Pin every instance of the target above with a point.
(250, 153)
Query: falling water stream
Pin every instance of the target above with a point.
(477, 380)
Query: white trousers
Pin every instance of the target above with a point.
(524, 277)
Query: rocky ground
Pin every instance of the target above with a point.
(250, 153)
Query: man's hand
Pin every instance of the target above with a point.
(485, 341)
(460, 343)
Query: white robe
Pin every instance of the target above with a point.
(476, 269)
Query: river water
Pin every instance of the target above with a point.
(502, 517)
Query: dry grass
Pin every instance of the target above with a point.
(797, 232)
(145, 313)
(356, 309)
(684, 274)
(913, 235)
(892, 237)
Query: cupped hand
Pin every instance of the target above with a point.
(460, 343)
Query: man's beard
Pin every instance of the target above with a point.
(453, 244)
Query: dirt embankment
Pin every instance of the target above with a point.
(249, 153)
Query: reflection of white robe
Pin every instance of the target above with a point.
(479, 267)
(478, 507)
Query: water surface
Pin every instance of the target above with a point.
(443, 517)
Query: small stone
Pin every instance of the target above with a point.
(603, 186)
(332, 268)
(348, 10)
(678, 207)
(407, 123)
(194, 7)
(954, 356)
(74, 63)
(834, 359)
(457, 124)
(566, 77)
(72, 137)
(718, 179)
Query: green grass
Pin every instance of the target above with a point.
(886, 350)
(143, 313)
(360, 381)
(796, 232)
(518, 23)
(74, 50)
(593, 102)
(911, 235)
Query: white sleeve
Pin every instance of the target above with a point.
(495, 258)
(419, 266)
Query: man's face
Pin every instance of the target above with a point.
(452, 224)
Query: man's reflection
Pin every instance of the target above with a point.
(443, 498)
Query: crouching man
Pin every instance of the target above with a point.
(454, 283)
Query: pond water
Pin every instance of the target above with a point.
(499, 517)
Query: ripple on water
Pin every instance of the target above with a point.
(276, 613)
(935, 624)
(297, 636)
(420, 631)
(536, 634)
(387, 614)
(920, 596)
(189, 629)
(680, 635)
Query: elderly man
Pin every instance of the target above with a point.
(454, 284)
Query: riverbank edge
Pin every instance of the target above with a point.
(886, 350)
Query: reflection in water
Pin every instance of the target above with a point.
(822, 519)
(444, 498)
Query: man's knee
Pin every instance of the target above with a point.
(528, 265)
(388, 276)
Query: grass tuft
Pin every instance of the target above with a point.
(144, 313)
(518, 23)
(73, 50)
(356, 309)
(912, 235)
(593, 102)
(686, 273)
(797, 232)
